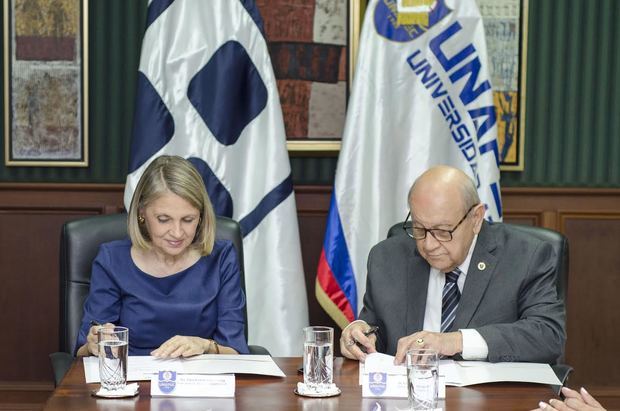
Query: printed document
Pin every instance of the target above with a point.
(463, 373)
(143, 368)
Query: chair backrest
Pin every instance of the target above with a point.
(79, 244)
(557, 240)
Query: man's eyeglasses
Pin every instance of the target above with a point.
(419, 233)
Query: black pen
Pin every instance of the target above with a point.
(372, 330)
(94, 323)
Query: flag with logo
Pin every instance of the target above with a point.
(421, 97)
(207, 92)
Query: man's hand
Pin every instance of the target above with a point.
(182, 346)
(444, 343)
(354, 333)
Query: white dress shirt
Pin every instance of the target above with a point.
(474, 346)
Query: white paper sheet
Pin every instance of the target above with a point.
(142, 368)
(479, 372)
(463, 373)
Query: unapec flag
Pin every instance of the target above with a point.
(421, 97)
(207, 92)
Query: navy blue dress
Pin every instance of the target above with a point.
(205, 300)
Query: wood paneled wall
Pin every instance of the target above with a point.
(31, 216)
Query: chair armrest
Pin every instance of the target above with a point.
(61, 362)
(258, 350)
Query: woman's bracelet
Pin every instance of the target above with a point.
(213, 343)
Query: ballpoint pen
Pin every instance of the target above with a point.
(372, 330)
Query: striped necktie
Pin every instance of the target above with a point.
(450, 299)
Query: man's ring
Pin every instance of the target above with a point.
(350, 343)
(420, 341)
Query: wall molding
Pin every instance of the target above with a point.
(26, 386)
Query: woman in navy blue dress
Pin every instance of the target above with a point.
(170, 282)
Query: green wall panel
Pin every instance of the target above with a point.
(573, 95)
(573, 98)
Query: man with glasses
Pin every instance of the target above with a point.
(457, 284)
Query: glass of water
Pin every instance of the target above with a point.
(113, 345)
(318, 357)
(422, 379)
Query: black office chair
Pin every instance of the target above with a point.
(560, 245)
(79, 244)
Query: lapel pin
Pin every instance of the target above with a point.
(482, 266)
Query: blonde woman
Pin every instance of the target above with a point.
(170, 282)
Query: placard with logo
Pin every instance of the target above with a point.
(174, 384)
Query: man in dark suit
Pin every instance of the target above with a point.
(498, 301)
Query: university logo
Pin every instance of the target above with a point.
(406, 20)
(377, 382)
(167, 381)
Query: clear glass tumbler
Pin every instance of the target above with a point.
(113, 350)
(422, 379)
(318, 357)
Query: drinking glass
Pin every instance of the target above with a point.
(422, 379)
(318, 357)
(113, 345)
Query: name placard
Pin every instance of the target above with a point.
(173, 384)
(390, 383)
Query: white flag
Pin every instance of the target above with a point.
(421, 97)
(207, 92)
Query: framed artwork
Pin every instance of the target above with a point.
(313, 45)
(314, 48)
(46, 83)
(505, 26)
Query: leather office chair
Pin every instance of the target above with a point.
(560, 245)
(79, 244)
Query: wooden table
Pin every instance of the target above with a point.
(275, 394)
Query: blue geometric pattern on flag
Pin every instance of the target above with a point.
(219, 196)
(268, 203)
(153, 125)
(228, 92)
(156, 8)
(250, 6)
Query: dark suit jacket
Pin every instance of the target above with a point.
(512, 302)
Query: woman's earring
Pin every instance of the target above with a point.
(140, 219)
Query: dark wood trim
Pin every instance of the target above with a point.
(314, 189)
(61, 187)
(26, 386)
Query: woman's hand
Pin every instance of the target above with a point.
(183, 346)
(574, 401)
(91, 347)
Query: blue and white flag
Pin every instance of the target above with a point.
(421, 97)
(207, 92)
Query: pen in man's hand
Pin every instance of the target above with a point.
(372, 330)
(94, 323)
